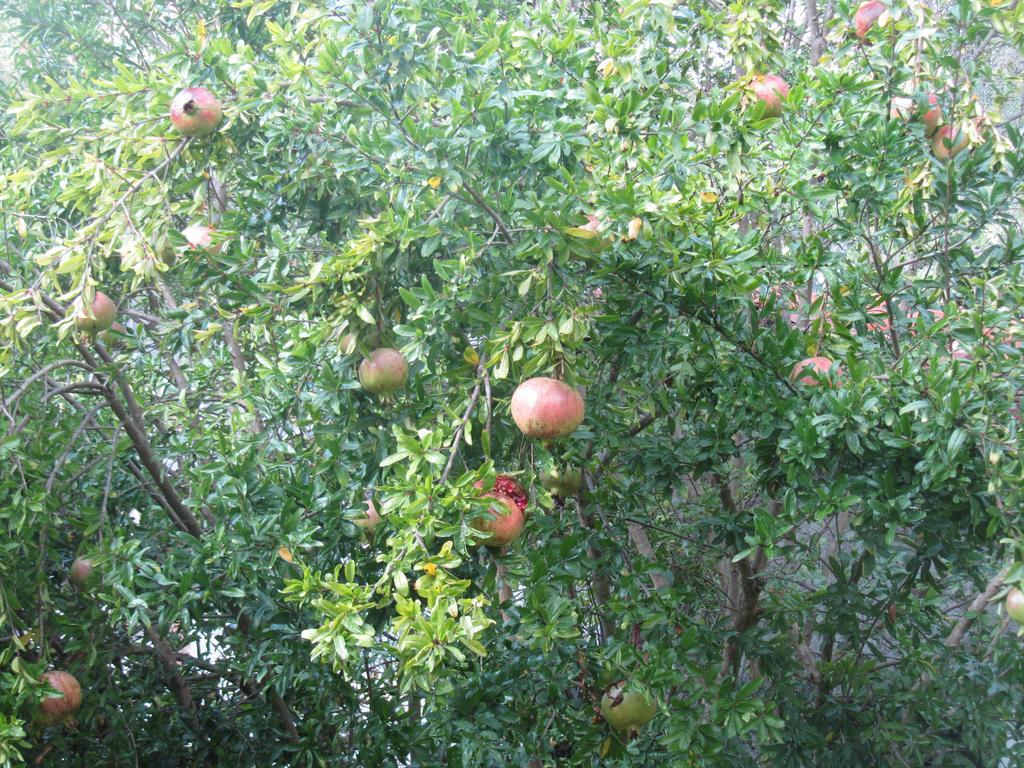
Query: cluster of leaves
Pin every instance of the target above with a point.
(502, 190)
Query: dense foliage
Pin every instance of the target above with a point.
(799, 570)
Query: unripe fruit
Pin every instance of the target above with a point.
(369, 520)
(384, 371)
(948, 142)
(546, 408)
(1015, 605)
(195, 112)
(55, 709)
(818, 364)
(627, 709)
(104, 312)
(562, 483)
(81, 573)
(866, 16)
(770, 89)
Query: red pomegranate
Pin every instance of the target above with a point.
(816, 367)
(506, 486)
(101, 314)
(81, 573)
(195, 112)
(56, 709)
(505, 523)
(866, 16)
(547, 408)
(384, 371)
(770, 89)
(948, 142)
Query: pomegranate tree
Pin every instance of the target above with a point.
(99, 317)
(625, 710)
(384, 371)
(547, 408)
(56, 709)
(195, 112)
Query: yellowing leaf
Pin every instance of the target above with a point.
(470, 356)
(709, 197)
(434, 182)
(285, 554)
(607, 67)
(586, 234)
(430, 569)
(605, 746)
(635, 225)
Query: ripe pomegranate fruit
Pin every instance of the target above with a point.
(81, 573)
(546, 408)
(195, 112)
(1015, 605)
(812, 365)
(504, 523)
(866, 16)
(506, 486)
(101, 315)
(625, 710)
(562, 482)
(384, 371)
(948, 142)
(771, 90)
(369, 520)
(507, 518)
(56, 709)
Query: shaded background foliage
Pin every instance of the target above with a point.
(799, 575)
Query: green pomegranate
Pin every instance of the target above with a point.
(384, 371)
(625, 709)
(562, 482)
(1015, 605)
